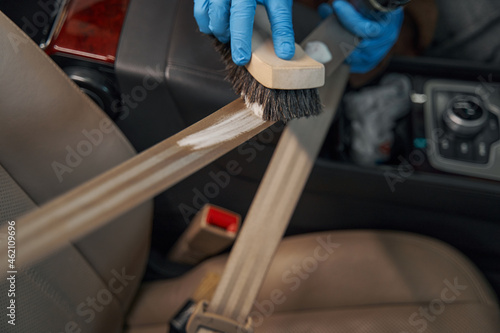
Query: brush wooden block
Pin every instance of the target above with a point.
(301, 72)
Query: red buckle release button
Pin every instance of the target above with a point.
(223, 219)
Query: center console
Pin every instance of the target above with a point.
(452, 128)
(462, 129)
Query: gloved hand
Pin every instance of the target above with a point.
(378, 36)
(232, 20)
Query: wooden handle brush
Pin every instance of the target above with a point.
(277, 89)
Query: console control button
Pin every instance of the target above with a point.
(464, 151)
(483, 142)
(464, 148)
(446, 147)
(482, 152)
(482, 149)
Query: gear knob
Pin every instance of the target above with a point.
(465, 115)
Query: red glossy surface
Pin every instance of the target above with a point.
(91, 29)
(223, 219)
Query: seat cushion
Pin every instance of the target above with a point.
(349, 281)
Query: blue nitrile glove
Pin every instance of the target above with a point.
(232, 20)
(378, 34)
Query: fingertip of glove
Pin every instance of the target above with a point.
(286, 50)
(240, 57)
(204, 29)
(224, 40)
(325, 10)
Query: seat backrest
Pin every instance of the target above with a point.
(53, 138)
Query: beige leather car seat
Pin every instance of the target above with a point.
(349, 281)
(355, 281)
(53, 138)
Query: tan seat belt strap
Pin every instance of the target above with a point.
(96, 202)
(268, 217)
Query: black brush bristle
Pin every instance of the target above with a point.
(276, 104)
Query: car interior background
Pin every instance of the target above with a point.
(412, 149)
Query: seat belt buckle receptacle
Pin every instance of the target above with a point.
(212, 230)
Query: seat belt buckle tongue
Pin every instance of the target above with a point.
(179, 321)
(202, 321)
(193, 318)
